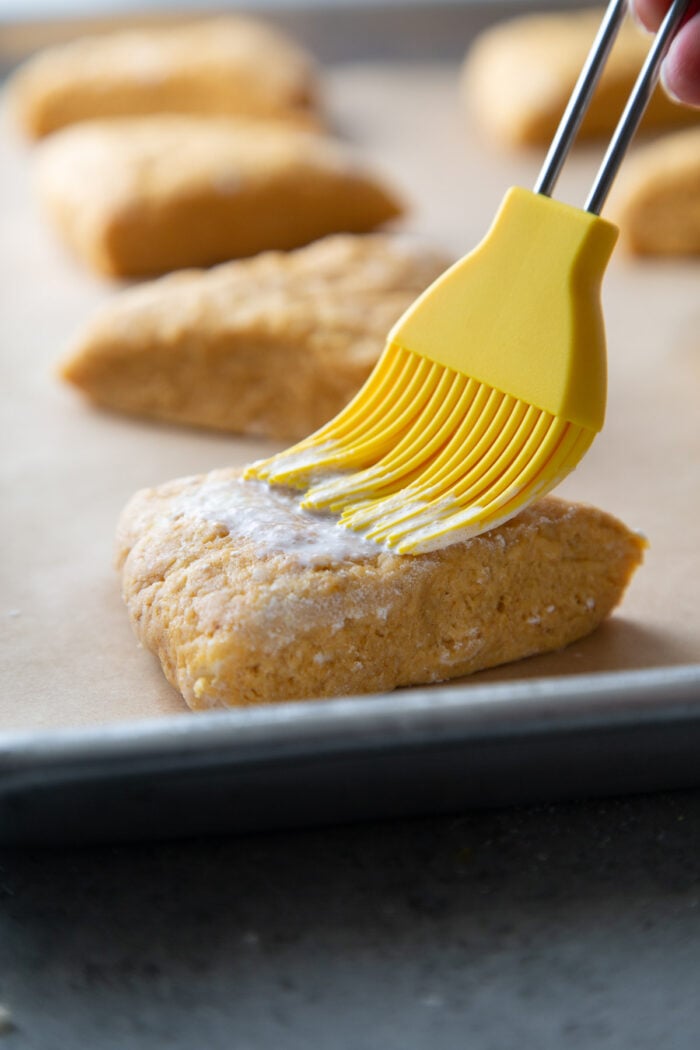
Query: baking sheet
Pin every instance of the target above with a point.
(70, 662)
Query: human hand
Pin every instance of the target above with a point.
(680, 72)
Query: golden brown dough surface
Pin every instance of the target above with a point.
(656, 200)
(144, 195)
(224, 66)
(518, 76)
(245, 599)
(275, 345)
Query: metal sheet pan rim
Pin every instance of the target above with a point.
(608, 731)
(459, 713)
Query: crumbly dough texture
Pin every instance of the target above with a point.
(656, 201)
(518, 76)
(275, 345)
(223, 66)
(235, 620)
(144, 195)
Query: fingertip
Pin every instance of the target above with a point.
(668, 83)
(648, 13)
(681, 70)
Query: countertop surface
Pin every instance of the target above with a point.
(573, 926)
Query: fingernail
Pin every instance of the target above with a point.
(667, 88)
(637, 20)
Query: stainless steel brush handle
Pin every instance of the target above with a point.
(581, 96)
(632, 113)
(636, 104)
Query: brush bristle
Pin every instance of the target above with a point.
(424, 456)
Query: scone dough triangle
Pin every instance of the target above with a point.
(245, 599)
(139, 196)
(274, 346)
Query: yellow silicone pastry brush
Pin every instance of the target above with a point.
(492, 385)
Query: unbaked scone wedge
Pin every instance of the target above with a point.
(275, 345)
(656, 201)
(144, 195)
(246, 599)
(519, 74)
(222, 66)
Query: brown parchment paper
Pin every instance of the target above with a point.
(68, 655)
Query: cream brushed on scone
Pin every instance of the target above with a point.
(656, 202)
(518, 75)
(274, 345)
(144, 195)
(246, 599)
(226, 66)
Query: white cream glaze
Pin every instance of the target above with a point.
(304, 460)
(272, 519)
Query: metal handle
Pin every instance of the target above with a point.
(636, 104)
(581, 96)
(633, 111)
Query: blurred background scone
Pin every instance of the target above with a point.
(275, 345)
(223, 66)
(518, 76)
(656, 201)
(143, 195)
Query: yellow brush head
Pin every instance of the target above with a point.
(489, 392)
